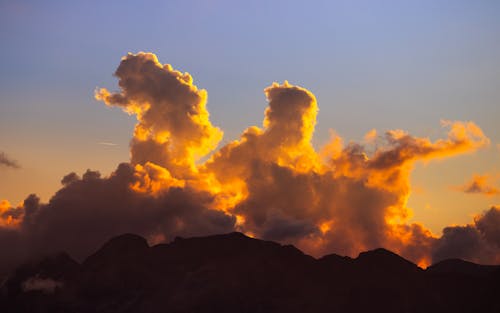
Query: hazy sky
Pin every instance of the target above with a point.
(371, 64)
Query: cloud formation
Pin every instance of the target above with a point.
(89, 209)
(173, 128)
(8, 162)
(270, 183)
(477, 242)
(480, 184)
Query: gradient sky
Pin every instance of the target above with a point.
(371, 64)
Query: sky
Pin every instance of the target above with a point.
(382, 65)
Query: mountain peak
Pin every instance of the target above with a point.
(379, 253)
(127, 240)
(119, 247)
(454, 266)
(385, 259)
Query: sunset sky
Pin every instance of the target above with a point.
(428, 68)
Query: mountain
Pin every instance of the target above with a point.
(235, 273)
(461, 267)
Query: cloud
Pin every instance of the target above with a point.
(45, 285)
(8, 162)
(9, 216)
(270, 183)
(107, 144)
(173, 128)
(359, 192)
(488, 225)
(480, 184)
(88, 210)
(477, 242)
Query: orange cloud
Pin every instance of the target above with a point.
(173, 128)
(480, 184)
(9, 217)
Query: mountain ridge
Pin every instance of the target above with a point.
(235, 273)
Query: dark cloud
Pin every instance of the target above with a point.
(70, 178)
(8, 162)
(462, 242)
(488, 225)
(478, 242)
(90, 210)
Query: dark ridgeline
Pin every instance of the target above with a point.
(234, 273)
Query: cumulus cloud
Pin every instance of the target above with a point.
(477, 242)
(488, 225)
(480, 184)
(270, 183)
(173, 128)
(7, 161)
(353, 201)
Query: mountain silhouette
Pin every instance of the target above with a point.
(235, 273)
